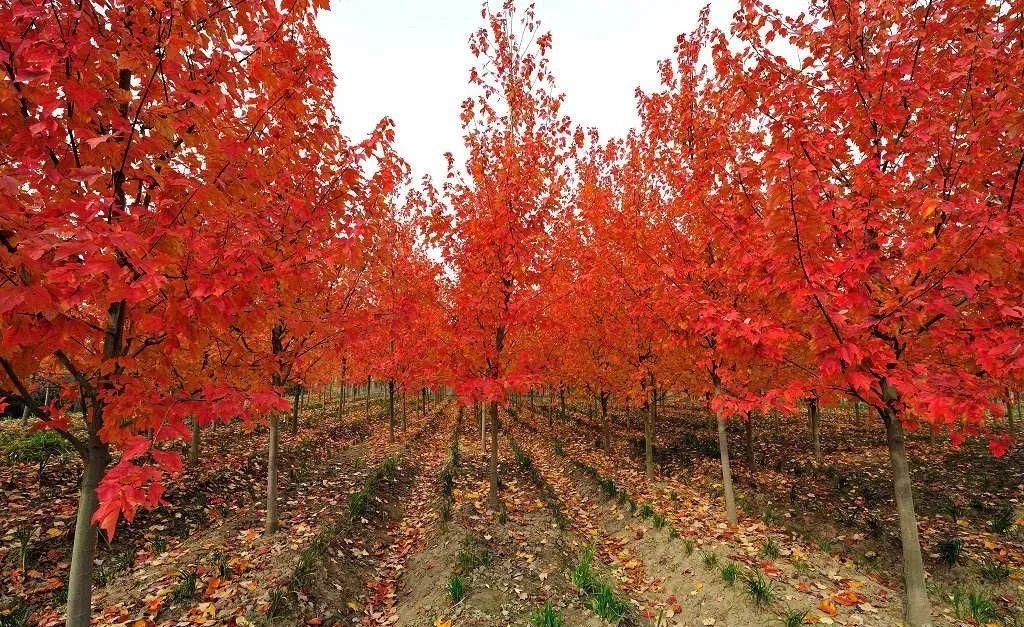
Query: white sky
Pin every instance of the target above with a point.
(409, 59)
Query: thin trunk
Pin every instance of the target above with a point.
(748, 428)
(561, 396)
(295, 409)
(271, 521)
(194, 445)
(391, 409)
(649, 418)
(815, 420)
(369, 382)
(723, 447)
(917, 608)
(478, 408)
(1010, 424)
(492, 497)
(606, 421)
(342, 390)
(79, 607)
(96, 459)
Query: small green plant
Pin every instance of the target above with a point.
(185, 588)
(36, 447)
(710, 559)
(125, 560)
(825, 546)
(994, 571)
(456, 589)
(729, 572)
(955, 507)
(760, 590)
(455, 450)
(802, 567)
(688, 545)
(770, 549)
(278, 601)
(876, 526)
(582, 574)
(659, 521)
(60, 595)
(469, 559)
(608, 605)
(608, 487)
(646, 511)
(950, 550)
(159, 545)
(447, 480)
(982, 610)
(770, 517)
(623, 497)
(16, 616)
(357, 504)
(1002, 521)
(303, 572)
(222, 564)
(102, 575)
(794, 618)
(673, 533)
(546, 617)
(24, 537)
(388, 466)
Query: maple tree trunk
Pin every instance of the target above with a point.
(606, 421)
(723, 450)
(478, 408)
(342, 389)
(649, 417)
(551, 409)
(79, 607)
(1010, 413)
(194, 444)
(492, 497)
(391, 409)
(369, 381)
(917, 608)
(295, 410)
(561, 396)
(275, 429)
(815, 421)
(748, 429)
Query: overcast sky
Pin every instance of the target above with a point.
(409, 59)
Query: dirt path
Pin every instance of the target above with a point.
(238, 575)
(508, 569)
(669, 575)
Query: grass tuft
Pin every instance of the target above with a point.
(456, 589)
(546, 617)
